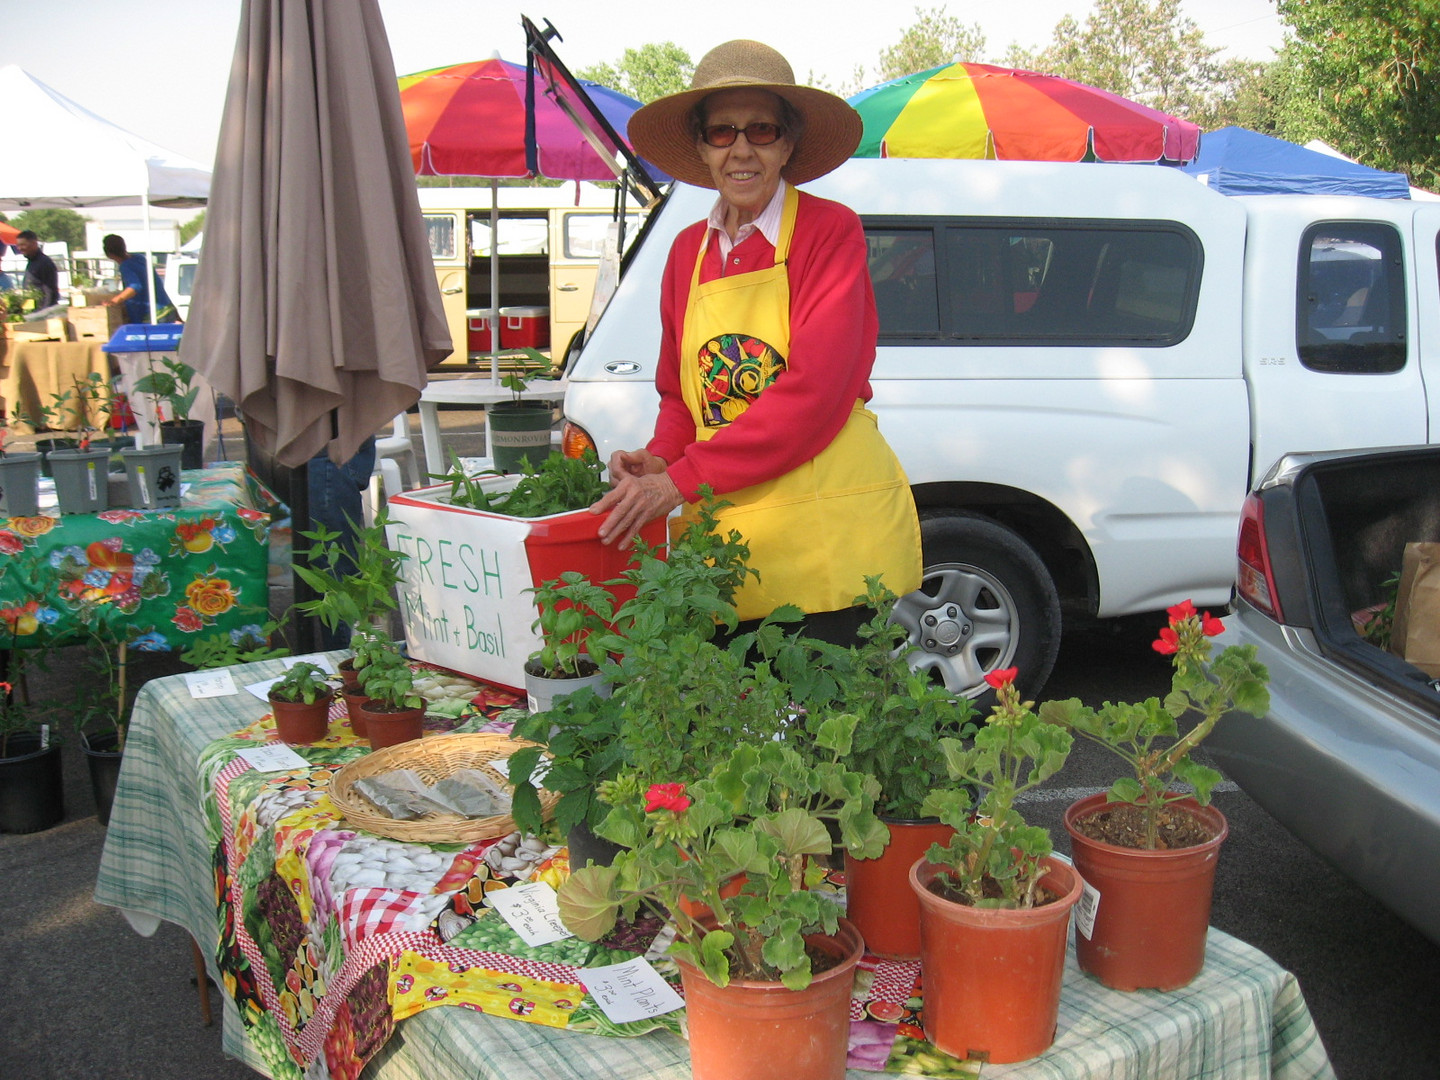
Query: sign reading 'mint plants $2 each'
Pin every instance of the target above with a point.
(462, 590)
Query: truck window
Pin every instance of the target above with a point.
(1350, 309)
(440, 228)
(1026, 283)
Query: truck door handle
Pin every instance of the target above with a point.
(567, 288)
(452, 290)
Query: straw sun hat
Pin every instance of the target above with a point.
(660, 132)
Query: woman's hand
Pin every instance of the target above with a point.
(642, 492)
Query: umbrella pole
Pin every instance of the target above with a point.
(302, 627)
(494, 282)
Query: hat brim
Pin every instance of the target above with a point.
(660, 132)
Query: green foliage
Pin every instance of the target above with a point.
(571, 609)
(227, 648)
(192, 228)
(353, 588)
(646, 73)
(18, 716)
(536, 365)
(559, 485)
(55, 223)
(171, 384)
(760, 811)
(1146, 735)
(1367, 84)
(303, 683)
(386, 675)
(994, 858)
(19, 302)
(582, 734)
(934, 38)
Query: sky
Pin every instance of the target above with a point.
(160, 67)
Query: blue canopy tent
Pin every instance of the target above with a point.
(1236, 161)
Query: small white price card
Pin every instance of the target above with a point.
(273, 757)
(1086, 909)
(533, 912)
(630, 991)
(213, 683)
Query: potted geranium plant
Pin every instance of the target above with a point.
(300, 701)
(994, 904)
(1149, 849)
(761, 812)
(32, 792)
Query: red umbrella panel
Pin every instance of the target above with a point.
(9, 234)
(984, 111)
(469, 120)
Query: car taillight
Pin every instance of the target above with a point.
(1254, 580)
(575, 440)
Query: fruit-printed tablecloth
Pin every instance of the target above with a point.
(156, 577)
(332, 935)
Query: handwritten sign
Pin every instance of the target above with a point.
(533, 912)
(273, 757)
(463, 589)
(216, 682)
(630, 991)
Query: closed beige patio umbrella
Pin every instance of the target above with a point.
(315, 305)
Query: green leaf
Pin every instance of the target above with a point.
(588, 903)
(797, 832)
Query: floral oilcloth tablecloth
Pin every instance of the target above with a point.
(159, 576)
(331, 936)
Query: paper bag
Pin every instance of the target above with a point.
(1415, 636)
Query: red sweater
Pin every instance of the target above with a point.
(833, 326)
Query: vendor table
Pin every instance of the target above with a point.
(163, 576)
(1242, 1017)
(478, 393)
(37, 371)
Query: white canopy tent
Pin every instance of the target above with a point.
(73, 158)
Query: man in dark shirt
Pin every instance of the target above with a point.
(40, 273)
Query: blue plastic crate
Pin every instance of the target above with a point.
(143, 337)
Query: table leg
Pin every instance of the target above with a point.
(430, 437)
(202, 982)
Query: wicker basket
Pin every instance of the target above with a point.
(433, 759)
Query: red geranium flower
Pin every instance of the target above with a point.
(1211, 626)
(1180, 611)
(1001, 676)
(1168, 641)
(666, 797)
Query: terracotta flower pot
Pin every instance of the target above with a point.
(1154, 907)
(296, 722)
(354, 699)
(878, 897)
(349, 677)
(992, 975)
(761, 1030)
(386, 728)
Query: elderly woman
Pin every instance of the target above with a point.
(769, 332)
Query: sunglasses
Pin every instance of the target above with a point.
(758, 134)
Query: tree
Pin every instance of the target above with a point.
(53, 224)
(1365, 81)
(192, 228)
(646, 73)
(936, 38)
(1146, 51)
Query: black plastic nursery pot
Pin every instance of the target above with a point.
(32, 785)
(103, 758)
(189, 435)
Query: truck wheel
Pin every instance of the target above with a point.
(986, 602)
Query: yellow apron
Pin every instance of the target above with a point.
(817, 531)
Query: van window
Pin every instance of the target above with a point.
(440, 228)
(585, 233)
(1350, 308)
(518, 235)
(1019, 283)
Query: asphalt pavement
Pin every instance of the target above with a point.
(82, 996)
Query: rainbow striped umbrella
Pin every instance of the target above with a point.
(984, 111)
(469, 120)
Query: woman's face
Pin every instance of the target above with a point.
(746, 176)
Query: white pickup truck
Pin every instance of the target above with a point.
(1082, 368)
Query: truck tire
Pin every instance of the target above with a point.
(986, 602)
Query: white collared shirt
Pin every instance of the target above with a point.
(768, 222)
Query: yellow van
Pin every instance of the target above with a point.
(549, 251)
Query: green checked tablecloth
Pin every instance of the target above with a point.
(1243, 1017)
(157, 578)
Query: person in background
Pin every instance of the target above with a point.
(40, 272)
(136, 282)
(768, 337)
